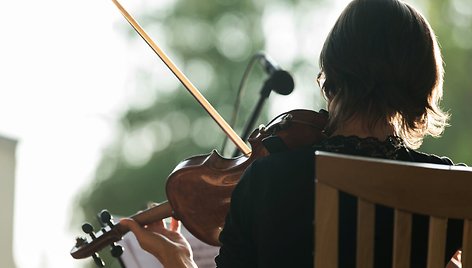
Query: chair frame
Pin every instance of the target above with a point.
(439, 191)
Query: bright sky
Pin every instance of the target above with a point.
(62, 85)
(65, 77)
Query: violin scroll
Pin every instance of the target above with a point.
(111, 232)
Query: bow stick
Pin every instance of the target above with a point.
(186, 82)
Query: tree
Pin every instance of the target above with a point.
(451, 21)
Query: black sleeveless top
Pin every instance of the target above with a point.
(270, 222)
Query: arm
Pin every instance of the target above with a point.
(237, 250)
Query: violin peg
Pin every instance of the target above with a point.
(262, 128)
(116, 250)
(88, 229)
(106, 218)
(98, 261)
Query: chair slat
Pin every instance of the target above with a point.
(326, 227)
(467, 245)
(401, 239)
(437, 242)
(365, 234)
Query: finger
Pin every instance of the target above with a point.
(132, 225)
(143, 235)
(455, 261)
(152, 204)
(139, 231)
(156, 226)
(174, 225)
(153, 243)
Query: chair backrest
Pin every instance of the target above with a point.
(439, 191)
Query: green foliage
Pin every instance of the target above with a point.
(452, 22)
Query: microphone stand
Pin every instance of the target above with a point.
(264, 94)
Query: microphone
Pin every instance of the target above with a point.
(269, 65)
(280, 81)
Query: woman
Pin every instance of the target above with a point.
(382, 76)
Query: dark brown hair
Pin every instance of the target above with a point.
(381, 61)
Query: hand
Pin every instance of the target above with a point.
(166, 244)
(455, 261)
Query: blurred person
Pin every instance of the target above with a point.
(382, 76)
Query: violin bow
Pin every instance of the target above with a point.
(233, 136)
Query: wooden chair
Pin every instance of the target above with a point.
(439, 191)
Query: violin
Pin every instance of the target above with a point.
(199, 188)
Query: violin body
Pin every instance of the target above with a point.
(200, 187)
(199, 191)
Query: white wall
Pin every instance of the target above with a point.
(7, 190)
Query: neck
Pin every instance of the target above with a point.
(358, 128)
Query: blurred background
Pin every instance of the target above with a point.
(90, 118)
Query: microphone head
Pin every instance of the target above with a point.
(282, 82)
